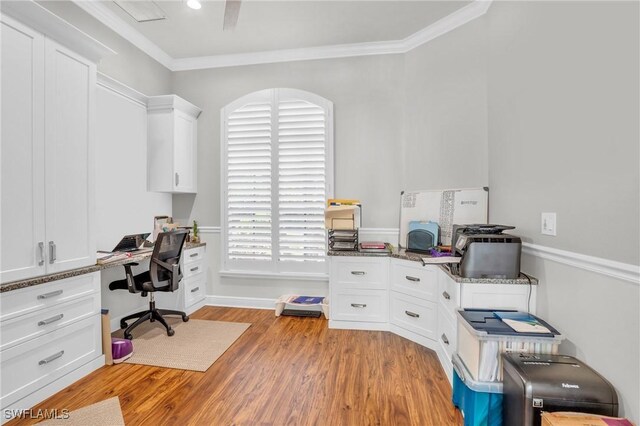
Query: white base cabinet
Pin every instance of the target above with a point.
(48, 332)
(191, 294)
(414, 301)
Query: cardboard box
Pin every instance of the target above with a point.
(581, 419)
(342, 217)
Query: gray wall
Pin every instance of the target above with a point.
(446, 111)
(130, 66)
(368, 106)
(563, 123)
(563, 137)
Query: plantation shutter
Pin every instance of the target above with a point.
(302, 168)
(278, 169)
(249, 182)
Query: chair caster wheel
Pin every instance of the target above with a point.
(123, 325)
(185, 318)
(128, 336)
(170, 332)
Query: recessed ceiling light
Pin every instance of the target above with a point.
(194, 4)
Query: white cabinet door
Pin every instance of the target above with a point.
(22, 186)
(184, 155)
(69, 103)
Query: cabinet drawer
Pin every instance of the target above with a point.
(27, 367)
(359, 305)
(27, 327)
(193, 255)
(360, 273)
(30, 299)
(447, 335)
(419, 316)
(448, 295)
(193, 268)
(194, 290)
(415, 280)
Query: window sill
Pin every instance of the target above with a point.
(294, 276)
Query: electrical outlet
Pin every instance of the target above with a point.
(548, 224)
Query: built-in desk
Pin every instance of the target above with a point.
(396, 292)
(50, 326)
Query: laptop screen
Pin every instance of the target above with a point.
(131, 242)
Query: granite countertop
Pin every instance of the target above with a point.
(28, 282)
(415, 257)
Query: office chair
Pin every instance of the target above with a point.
(164, 274)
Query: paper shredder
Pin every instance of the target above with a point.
(536, 383)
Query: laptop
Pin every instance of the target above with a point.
(131, 242)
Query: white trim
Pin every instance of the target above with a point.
(169, 102)
(290, 276)
(126, 31)
(122, 89)
(242, 302)
(450, 22)
(473, 10)
(611, 268)
(44, 21)
(209, 229)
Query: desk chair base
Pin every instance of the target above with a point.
(151, 315)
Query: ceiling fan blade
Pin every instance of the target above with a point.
(231, 12)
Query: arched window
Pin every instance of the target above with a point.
(277, 172)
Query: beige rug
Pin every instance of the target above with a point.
(196, 345)
(104, 413)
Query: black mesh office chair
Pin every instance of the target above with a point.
(164, 274)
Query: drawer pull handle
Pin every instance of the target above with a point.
(412, 314)
(359, 305)
(51, 358)
(358, 272)
(193, 290)
(50, 320)
(193, 255)
(444, 339)
(414, 279)
(195, 268)
(446, 295)
(48, 295)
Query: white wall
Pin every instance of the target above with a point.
(123, 205)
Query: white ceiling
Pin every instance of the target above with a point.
(275, 25)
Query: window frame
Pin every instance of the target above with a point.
(273, 268)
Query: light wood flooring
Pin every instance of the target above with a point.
(281, 371)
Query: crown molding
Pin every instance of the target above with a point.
(125, 30)
(450, 22)
(46, 22)
(122, 89)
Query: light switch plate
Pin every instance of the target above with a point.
(548, 224)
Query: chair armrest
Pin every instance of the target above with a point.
(129, 274)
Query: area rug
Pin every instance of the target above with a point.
(103, 413)
(196, 344)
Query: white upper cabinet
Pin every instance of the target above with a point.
(47, 205)
(172, 151)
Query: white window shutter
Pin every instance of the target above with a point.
(301, 181)
(277, 165)
(249, 143)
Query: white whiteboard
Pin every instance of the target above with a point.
(446, 207)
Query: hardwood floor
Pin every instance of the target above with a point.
(281, 371)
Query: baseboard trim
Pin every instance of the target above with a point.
(241, 302)
(610, 268)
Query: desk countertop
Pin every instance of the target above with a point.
(402, 254)
(28, 282)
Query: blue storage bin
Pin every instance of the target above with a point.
(479, 402)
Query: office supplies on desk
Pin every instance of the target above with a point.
(131, 242)
(422, 236)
